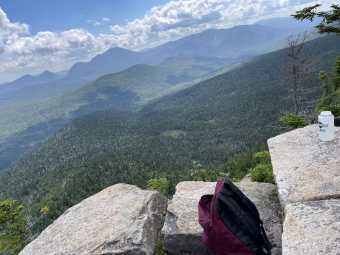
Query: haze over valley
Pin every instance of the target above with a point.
(154, 106)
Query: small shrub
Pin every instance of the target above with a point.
(262, 157)
(335, 109)
(161, 185)
(293, 121)
(262, 173)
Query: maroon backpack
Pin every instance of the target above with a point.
(231, 222)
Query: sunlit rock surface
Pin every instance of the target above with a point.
(305, 168)
(121, 219)
(307, 173)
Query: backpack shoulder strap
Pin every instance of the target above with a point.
(230, 189)
(267, 245)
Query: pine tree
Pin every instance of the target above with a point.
(330, 19)
(331, 96)
(13, 231)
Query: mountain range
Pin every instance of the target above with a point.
(132, 116)
(34, 107)
(25, 124)
(113, 130)
(28, 80)
(219, 47)
(240, 42)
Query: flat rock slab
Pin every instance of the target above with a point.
(312, 228)
(121, 219)
(305, 168)
(182, 232)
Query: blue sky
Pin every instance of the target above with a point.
(62, 15)
(36, 35)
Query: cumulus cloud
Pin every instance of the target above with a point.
(50, 42)
(46, 48)
(6, 27)
(179, 18)
(19, 50)
(170, 19)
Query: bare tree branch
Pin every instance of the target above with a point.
(299, 70)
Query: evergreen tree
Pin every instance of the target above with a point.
(330, 19)
(330, 81)
(14, 234)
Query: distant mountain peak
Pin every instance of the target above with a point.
(28, 80)
(47, 73)
(221, 43)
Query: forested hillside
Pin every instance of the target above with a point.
(25, 123)
(29, 114)
(208, 123)
(39, 91)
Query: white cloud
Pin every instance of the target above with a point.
(179, 18)
(19, 50)
(50, 42)
(171, 21)
(183, 17)
(46, 49)
(6, 27)
(94, 22)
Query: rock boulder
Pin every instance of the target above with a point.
(312, 227)
(121, 219)
(305, 168)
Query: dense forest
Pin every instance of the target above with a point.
(27, 121)
(209, 123)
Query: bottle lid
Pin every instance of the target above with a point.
(326, 113)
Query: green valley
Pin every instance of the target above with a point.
(25, 124)
(124, 133)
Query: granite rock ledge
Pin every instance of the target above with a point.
(121, 219)
(307, 174)
(124, 219)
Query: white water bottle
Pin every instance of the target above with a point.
(326, 125)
